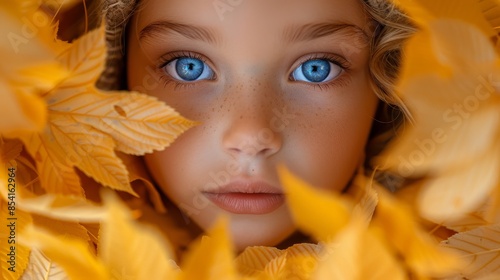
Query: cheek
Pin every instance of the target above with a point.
(329, 141)
(175, 168)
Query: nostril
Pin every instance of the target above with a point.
(251, 138)
(265, 151)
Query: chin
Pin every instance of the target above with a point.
(250, 230)
(259, 230)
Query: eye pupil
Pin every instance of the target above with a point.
(316, 70)
(188, 68)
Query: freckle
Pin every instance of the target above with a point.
(241, 117)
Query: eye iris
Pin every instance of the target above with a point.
(189, 69)
(316, 70)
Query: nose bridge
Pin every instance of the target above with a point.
(249, 131)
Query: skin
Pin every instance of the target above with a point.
(253, 115)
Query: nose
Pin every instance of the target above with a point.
(250, 131)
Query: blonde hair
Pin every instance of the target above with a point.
(393, 28)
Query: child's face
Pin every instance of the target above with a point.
(281, 81)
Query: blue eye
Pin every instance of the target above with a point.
(189, 69)
(316, 71)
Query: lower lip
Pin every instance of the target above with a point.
(247, 203)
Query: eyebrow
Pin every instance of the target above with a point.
(290, 34)
(317, 30)
(186, 30)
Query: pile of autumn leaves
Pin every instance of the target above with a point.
(53, 119)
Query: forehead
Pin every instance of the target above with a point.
(252, 17)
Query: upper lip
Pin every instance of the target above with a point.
(246, 186)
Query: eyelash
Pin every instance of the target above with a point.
(167, 58)
(337, 60)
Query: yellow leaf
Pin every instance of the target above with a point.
(480, 248)
(56, 176)
(254, 259)
(40, 267)
(70, 253)
(469, 221)
(315, 212)
(419, 61)
(30, 44)
(301, 261)
(276, 268)
(21, 112)
(420, 252)
(298, 261)
(365, 196)
(86, 125)
(461, 45)
(84, 61)
(211, 257)
(59, 207)
(357, 253)
(442, 138)
(60, 227)
(138, 123)
(130, 250)
(455, 193)
(456, 114)
(90, 150)
(425, 11)
(28, 33)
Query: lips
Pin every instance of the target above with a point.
(244, 197)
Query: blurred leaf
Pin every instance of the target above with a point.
(71, 253)
(424, 12)
(357, 253)
(420, 252)
(60, 207)
(211, 257)
(316, 212)
(456, 193)
(130, 250)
